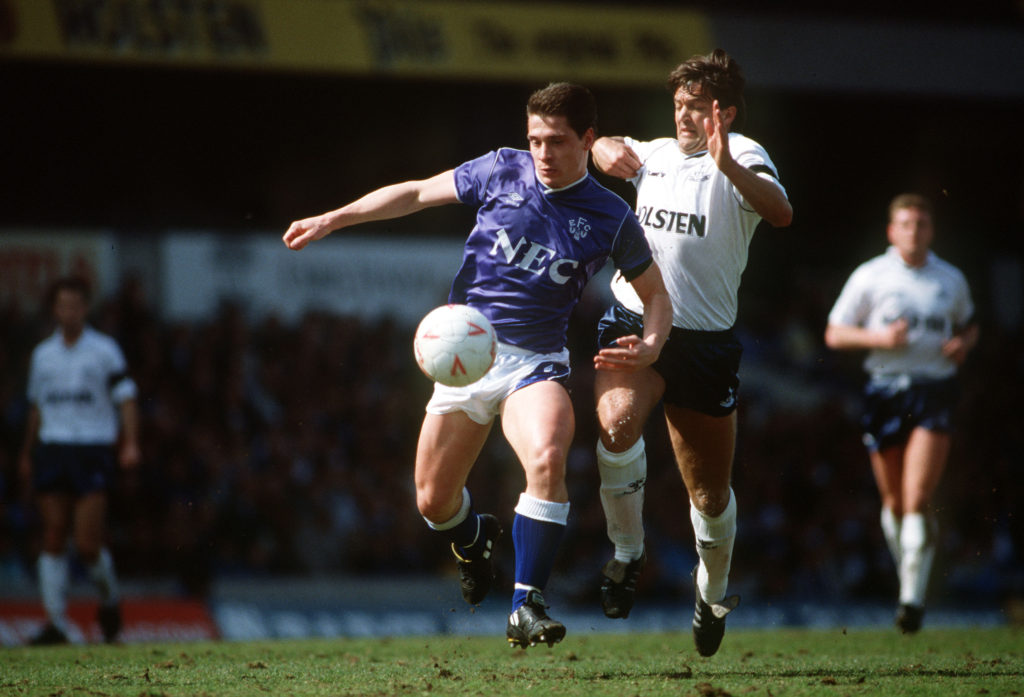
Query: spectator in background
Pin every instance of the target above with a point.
(80, 398)
(913, 313)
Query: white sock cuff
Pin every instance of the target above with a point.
(889, 520)
(619, 470)
(721, 527)
(610, 459)
(545, 511)
(467, 501)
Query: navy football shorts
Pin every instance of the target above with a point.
(895, 406)
(72, 469)
(700, 368)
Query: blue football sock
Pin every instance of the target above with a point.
(536, 546)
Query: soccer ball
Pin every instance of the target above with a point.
(455, 345)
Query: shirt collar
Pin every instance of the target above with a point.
(548, 190)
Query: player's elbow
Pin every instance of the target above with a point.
(782, 216)
(832, 337)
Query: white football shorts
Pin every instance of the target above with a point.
(513, 369)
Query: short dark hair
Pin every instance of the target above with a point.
(574, 102)
(718, 76)
(75, 284)
(910, 201)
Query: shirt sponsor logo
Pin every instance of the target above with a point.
(673, 221)
(68, 396)
(533, 257)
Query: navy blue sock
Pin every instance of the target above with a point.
(465, 534)
(536, 545)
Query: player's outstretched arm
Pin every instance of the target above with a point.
(632, 352)
(389, 202)
(612, 156)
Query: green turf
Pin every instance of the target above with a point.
(769, 663)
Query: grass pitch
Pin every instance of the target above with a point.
(769, 663)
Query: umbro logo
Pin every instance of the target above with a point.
(515, 199)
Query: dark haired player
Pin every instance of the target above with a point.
(543, 228)
(700, 197)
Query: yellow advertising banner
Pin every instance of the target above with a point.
(445, 39)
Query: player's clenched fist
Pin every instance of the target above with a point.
(302, 232)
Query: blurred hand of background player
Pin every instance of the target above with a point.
(894, 335)
(612, 156)
(631, 354)
(302, 232)
(957, 348)
(129, 455)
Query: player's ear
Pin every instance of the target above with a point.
(728, 116)
(588, 138)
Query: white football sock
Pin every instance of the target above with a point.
(623, 476)
(103, 575)
(456, 519)
(715, 538)
(53, 587)
(918, 543)
(891, 526)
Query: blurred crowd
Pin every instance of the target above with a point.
(273, 449)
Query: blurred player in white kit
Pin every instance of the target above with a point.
(913, 314)
(700, 197)
(81, 399)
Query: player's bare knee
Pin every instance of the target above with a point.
(436, 505)
(711, 503)
(547, 468)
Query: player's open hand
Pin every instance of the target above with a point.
(302, 232)
(612, 156)
(718, 136)
(630, 354)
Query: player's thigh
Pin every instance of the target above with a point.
(539, 424)
(624, 403)
(923, 464)
(704, 447)
(90, 513)
(887, 466)
(448, 446)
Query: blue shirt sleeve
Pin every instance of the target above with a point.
(472, 177)
(631, 253)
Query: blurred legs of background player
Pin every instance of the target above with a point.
(67, 511)
(907, 475)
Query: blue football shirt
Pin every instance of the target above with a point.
(533, 249)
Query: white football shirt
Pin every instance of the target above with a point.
(699, 228)
(77, 388)
(934, 299)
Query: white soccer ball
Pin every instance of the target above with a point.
(455, 345)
